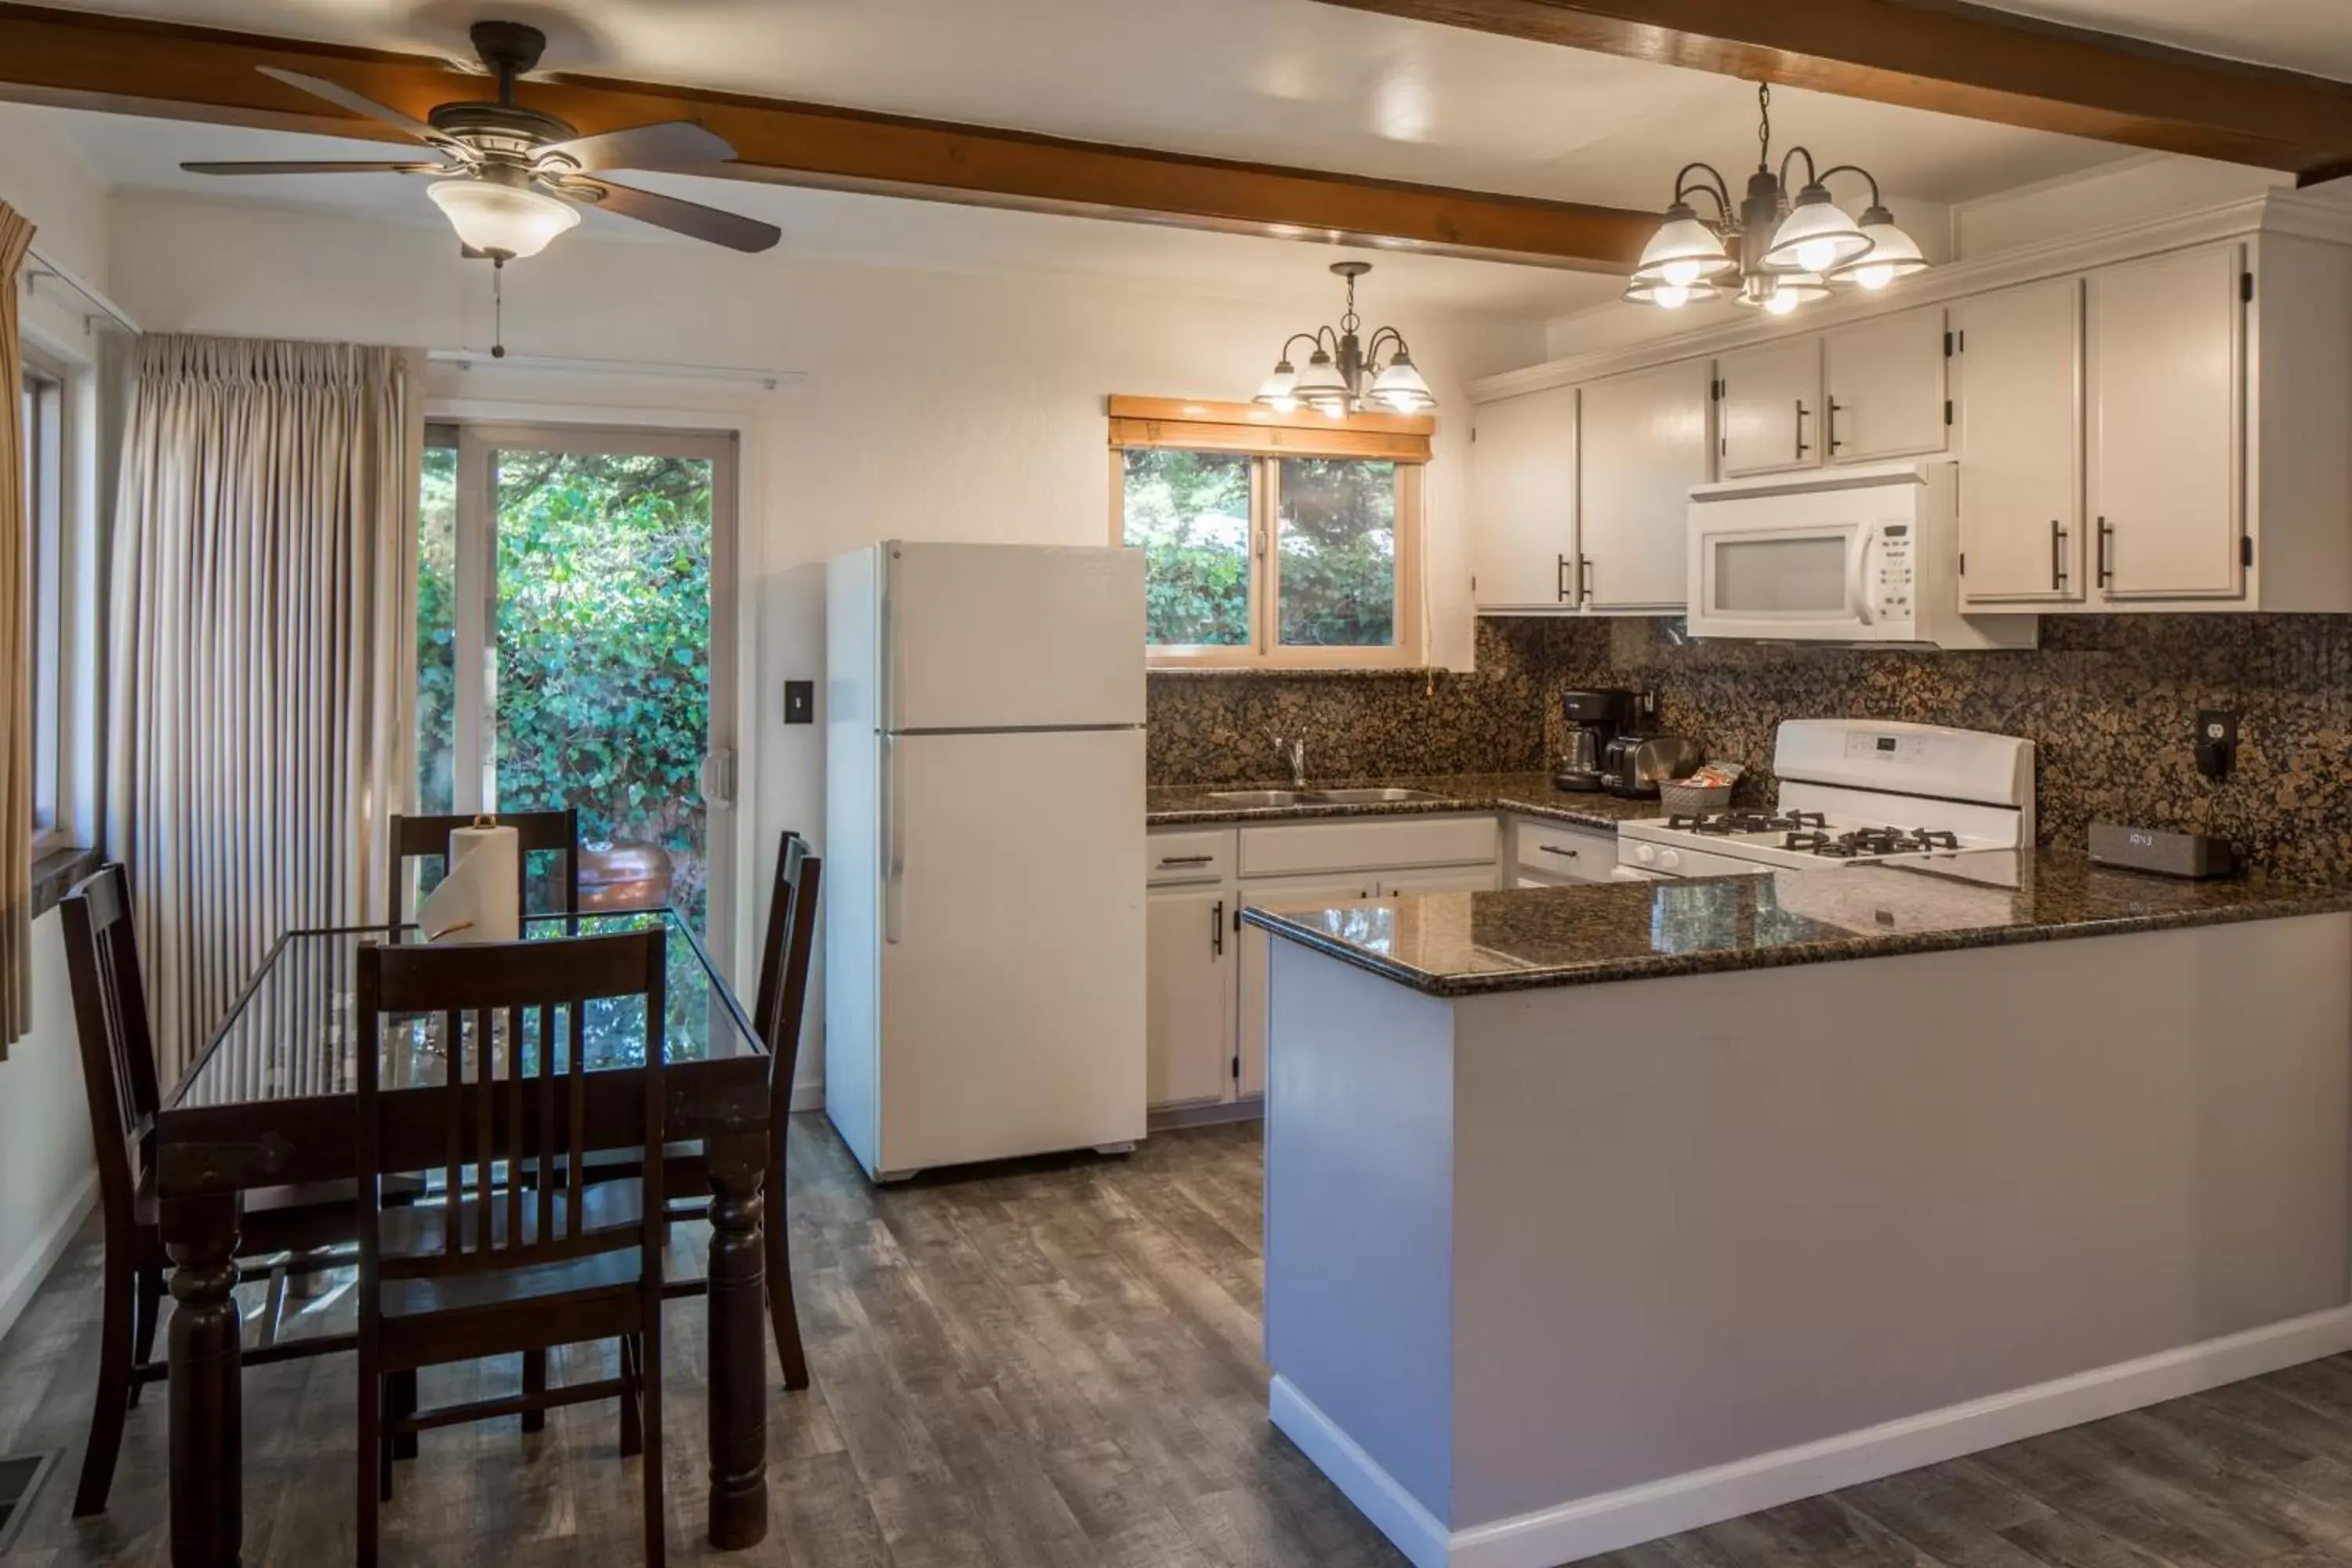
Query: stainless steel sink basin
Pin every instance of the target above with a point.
(1258, 797)
(1368, 797)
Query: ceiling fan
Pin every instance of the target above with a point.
(511, 179)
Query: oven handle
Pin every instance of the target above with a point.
(1857, 590)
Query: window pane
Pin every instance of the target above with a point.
(437, 633)
(1337, 532)
(1189, 512)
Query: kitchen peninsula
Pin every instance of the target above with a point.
(1597, 1213)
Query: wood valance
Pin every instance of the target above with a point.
(1258, 431)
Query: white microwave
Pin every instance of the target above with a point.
(1866, 554)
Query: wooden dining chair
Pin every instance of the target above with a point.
(776, 1012)
(538, 832)
(119, 1081)
(499, 1268)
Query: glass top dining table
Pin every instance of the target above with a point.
(292, 1035)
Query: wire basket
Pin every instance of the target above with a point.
(1693, 800)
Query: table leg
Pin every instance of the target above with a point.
(737, 1346)
(206, 1367)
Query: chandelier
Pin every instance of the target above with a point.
(1771, 254)
(1345, 376)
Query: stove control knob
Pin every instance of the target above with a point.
(1644, 853)
(1669, 858)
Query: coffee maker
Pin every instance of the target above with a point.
(1594, 719)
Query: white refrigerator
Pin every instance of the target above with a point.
(984, 922)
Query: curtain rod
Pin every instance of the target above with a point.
(474, 359)
(40, 267)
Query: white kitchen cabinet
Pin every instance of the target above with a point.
(2164, 362)
(1454, 880)
(1523, 501)
(1546, 853)
(1770, 416)
(1642, 443)
(1188, 969)
(1886, 384)
(2017, 371)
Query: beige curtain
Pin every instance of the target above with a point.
(15, 662)
(254, 666)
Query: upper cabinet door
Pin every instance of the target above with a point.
(2018, 384)
(1644, 445)
(1771, 408)
(1885, 387)
(2167, 351)
(1523, 499)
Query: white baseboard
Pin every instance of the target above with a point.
(20, 1284)
(808, 1096)
(1613, 1521)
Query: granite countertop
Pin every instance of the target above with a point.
(1531, 793)
(1461, 944)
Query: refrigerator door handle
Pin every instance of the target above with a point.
(894, 837)
(888, 618)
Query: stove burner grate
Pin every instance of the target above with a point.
(1722, 825)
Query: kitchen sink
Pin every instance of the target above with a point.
(1258, 797)
(1368, 797)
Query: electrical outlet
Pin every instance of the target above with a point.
(800, 701)
(2217, 743)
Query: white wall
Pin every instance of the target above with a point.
(936, 405)
(47, 1178)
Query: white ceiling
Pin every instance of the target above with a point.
(1275, 80)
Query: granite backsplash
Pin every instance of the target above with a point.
(2111, 702)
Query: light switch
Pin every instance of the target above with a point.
(800, 701)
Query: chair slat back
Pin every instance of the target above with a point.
(785, 953)
(538, 832)
(117, 1050)
(512, 1110)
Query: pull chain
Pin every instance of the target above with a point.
(497, 307)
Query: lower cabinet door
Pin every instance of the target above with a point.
(1340, 889)
(1189, 968)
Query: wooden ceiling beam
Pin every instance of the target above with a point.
(78, 60)
(1954, 57)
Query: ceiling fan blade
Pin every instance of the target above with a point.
(275, 168)
(671, 144)
(336, 93)
(690, 218)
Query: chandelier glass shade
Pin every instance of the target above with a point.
(1345, 372)
(1763, 250)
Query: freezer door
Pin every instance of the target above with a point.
(1012, 997)
(1011, 636)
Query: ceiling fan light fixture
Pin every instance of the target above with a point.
(508, 221)
(1893, 253)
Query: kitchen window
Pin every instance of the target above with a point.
(1271, 541)
(42, 405)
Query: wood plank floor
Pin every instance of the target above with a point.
(1054, 1365)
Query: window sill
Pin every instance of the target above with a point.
(56, 872)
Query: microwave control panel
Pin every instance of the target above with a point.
(1896, 577)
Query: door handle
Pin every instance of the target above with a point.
(1802, 447)
(2106, 572)
(2057, 555)
(1217, 930)
(894, 838)
(1584, 577)
(1833, 424)
(1559, 579)
(715, 779)
(1857, 586)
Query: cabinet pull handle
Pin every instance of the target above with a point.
(1584, 577)
(1559, 580)
(1186, 860)
(1834, 443)
(1802, 447)
(1217, 930)
(1555, 849)
(2057, 561)
(2107, 555)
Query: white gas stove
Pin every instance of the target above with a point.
(1855, 791)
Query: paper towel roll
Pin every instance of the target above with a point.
(481, 898)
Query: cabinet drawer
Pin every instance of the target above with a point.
(1201, 856)
(1367, 844)
(1555, 850)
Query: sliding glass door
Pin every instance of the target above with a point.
(575, 646)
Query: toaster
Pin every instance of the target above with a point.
(1636, 764)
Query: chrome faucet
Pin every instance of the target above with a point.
(1295, 753)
